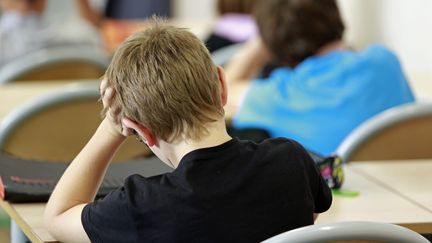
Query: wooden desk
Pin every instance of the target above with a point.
(13, 95)
(28, 216)
(410, 179)
(378, 202)
(396, 192)
(375, 202)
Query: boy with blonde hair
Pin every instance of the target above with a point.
(163, 86)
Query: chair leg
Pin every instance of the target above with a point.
(17, 235)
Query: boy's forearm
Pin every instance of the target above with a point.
(81, 180)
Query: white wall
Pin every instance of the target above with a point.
(194, 9)
(404, 26)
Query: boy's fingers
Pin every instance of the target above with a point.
(112, 113)
(107, 97)
(128, 127)
(113, 117)
(115, 111)
(103, 86)
(126, 122)
(127, 131)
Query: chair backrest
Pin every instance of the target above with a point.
(402, 132)
(56, 63)
(223, 55)
(354, 230)
(57, 125)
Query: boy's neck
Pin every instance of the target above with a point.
(335, 45)
(176, 150)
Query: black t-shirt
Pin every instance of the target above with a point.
(238, 191)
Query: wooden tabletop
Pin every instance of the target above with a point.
(396, 192)
(410, 179)
(13, 95)
(380, 202)
(374, 202)
(29, 217)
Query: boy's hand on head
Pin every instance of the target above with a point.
(112, 115)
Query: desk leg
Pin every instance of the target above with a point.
(17, 236)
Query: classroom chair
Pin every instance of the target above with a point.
(350, 230)
(57, 125)
(223, 55)
(56, 63)
(402, 132)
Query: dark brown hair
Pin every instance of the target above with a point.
(235, 6)
(296, 29)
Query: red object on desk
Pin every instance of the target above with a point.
(2, 195)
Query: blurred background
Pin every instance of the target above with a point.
(403, 26)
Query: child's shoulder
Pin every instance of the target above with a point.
(286, 147)
(379, 53)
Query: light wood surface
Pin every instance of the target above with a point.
(378, 202)
(375, 202)
(411, 179)
(28, 216)
(13, 95)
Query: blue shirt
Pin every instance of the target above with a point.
(321, 100)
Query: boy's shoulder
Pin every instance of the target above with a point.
(235, 152)
(285, 146)
(379, 54)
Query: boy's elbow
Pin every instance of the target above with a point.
(65, 226)
(54, 227)
(49, 221)
(50, 226)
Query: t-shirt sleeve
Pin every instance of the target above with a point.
(321, 193)
(109, 219)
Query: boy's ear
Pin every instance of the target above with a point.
(145, 133)
(223, 83)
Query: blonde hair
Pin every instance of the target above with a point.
(165, 79)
